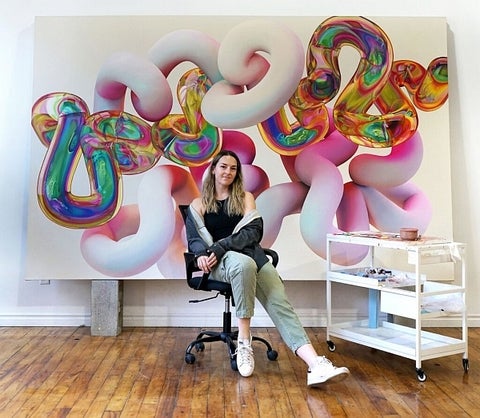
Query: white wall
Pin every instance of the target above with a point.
(165, 303)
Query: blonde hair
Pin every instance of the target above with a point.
(236, 200)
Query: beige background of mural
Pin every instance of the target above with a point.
(70, 50)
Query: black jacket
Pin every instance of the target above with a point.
(245, 238)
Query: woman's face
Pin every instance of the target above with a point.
(225, 171)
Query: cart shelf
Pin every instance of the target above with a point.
(407, 294)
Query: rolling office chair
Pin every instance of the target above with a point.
(199, 281)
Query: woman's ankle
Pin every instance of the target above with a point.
(245, 339)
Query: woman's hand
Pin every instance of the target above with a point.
(207, 263)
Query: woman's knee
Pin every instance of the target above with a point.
(235, 267)
(241, 264)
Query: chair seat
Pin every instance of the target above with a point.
(210, 285)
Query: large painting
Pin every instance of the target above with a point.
(341, 124)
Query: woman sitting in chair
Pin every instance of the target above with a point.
(224, 230)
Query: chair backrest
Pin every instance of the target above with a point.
(183, 210)
(194, 281)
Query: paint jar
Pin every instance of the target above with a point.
(409, 234)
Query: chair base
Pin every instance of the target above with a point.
(227, 337)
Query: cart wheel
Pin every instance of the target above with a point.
(331, 345)
(272, 355)
(466, 366)
(189, 358)
(421, 376)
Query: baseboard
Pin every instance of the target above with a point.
(44, 320)
(308, 317)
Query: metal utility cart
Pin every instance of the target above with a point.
(398, 293)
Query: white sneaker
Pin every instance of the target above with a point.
(245, 360)
(324, 371)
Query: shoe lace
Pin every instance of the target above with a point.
(322, 360)
(244, 354)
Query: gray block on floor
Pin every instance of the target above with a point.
(106, 307)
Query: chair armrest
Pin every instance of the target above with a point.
(195, 282)
(272, 254)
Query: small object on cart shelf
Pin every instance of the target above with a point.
(377, 273)
(409, 234)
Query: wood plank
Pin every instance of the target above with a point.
(120, 354)
(47, 355)
(53, 371)
(165, 342)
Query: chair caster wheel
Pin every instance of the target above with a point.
(189, 358)
(331, 345)
(233, 364)
(199, 347)
(272, 355)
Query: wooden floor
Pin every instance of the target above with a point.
(65, 372)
